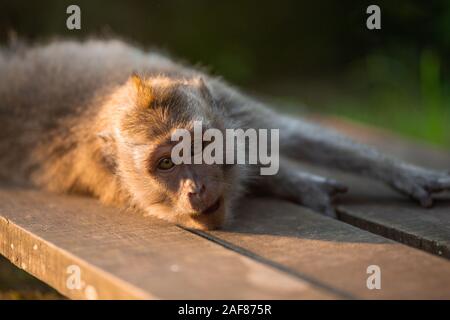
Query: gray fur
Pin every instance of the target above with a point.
(45, 88)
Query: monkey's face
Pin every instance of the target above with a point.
(193, 195)
(189, 194)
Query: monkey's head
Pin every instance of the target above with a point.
(147, 113)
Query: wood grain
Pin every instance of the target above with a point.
(273, 249)
(329, 251)
(378, 209)
(122, 255)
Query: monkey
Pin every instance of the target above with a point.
(94, 117)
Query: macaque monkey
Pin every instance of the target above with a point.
(96, 118)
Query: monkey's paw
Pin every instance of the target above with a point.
(319, 195)
(420, 183)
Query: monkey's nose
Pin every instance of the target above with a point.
(197, 191)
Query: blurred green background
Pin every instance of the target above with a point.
(317, 54)
(314, 53)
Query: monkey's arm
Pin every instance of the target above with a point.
(312, 191)
(300, 139)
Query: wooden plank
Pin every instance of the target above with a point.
(123, 255)
(322, 249)
(320, 257)
(375, 207)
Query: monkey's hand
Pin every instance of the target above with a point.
(310, 190)
(419, 183)
(317, 193)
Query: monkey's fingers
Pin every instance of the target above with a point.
(417, 189)
(321, 202)
(335, 187)
(422, 196)
(439, 183)
(444, 182)
(326, 209)
(330, 212)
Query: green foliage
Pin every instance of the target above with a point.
(402, 92)
(396, 77)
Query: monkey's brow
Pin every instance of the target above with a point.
(163, 139)
(136, 144)
(159, 142)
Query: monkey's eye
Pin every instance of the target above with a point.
(165, 164)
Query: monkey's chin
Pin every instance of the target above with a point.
(205, 221)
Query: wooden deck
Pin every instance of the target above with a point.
(273, 250)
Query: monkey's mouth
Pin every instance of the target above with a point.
(213, 208)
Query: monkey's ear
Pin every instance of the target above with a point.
(135, 80)
(200, 83)
(144, 92)
(204, 90)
